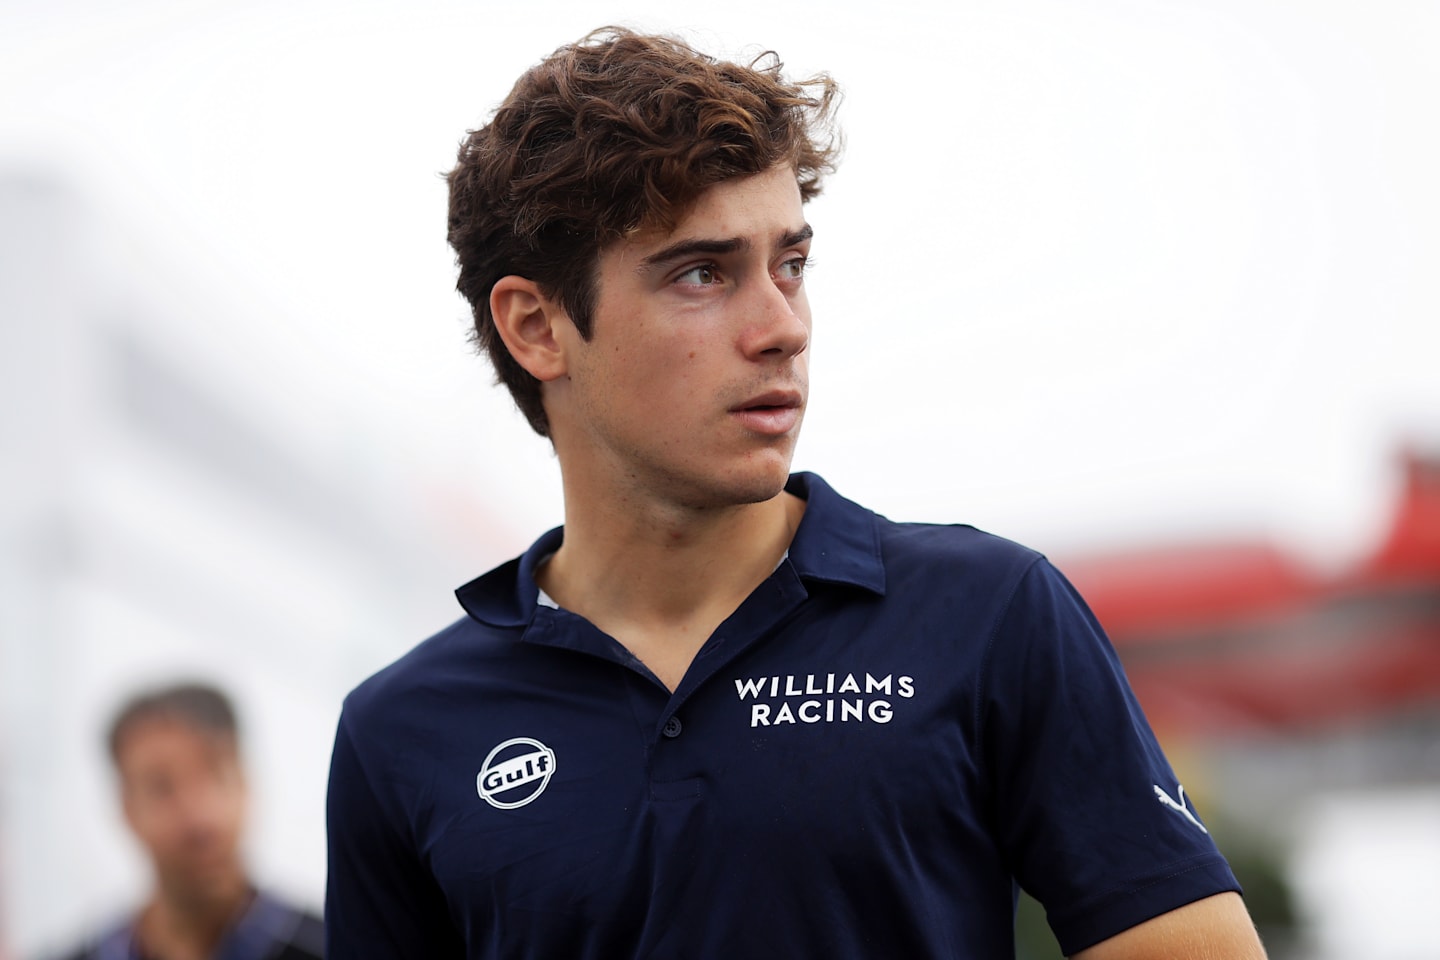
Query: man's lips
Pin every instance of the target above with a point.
(774, 413)
(772, 399)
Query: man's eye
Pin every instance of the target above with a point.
(702, 275)
(794, 269)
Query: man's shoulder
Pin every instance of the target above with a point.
(408, 676)
(498, 607)
(961, 541)
(845, 537)
(295, 932)
(950, 553)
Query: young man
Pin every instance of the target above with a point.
(724, 712)
(176, 750)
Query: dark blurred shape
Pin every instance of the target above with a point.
(176, 750)
(1237, 637)
(1261, 871)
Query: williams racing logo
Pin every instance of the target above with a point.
(515, 773)
(823, 698)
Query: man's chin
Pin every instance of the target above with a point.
(752, 487)
(768, 479)
(208, 885)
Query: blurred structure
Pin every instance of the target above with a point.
(175, 498)
(1309, 706)
(1230, 638)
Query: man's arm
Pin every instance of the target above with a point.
(379, 900)
(1216, 928)
(1086, 801)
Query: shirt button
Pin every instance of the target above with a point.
(672, 728)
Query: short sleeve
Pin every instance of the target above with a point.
(380, 901)
(1088, 811)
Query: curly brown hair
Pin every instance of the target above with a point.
(616, 133)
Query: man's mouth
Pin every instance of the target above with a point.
(774, 413)
(774, 400)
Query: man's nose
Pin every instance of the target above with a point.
(778, 324)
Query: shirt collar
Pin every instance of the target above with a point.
(838, 541)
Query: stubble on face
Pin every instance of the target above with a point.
(693, 384)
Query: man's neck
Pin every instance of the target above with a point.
(660, 577)
(176, 927)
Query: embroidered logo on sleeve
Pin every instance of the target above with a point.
(515, 773)
(1179, 806)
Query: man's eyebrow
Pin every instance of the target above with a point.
(798, 237)
(689, 248)
(717, 248)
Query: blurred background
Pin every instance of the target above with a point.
(1150, 287)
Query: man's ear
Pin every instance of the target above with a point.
(527, 322)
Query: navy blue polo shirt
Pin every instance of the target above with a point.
(897, 726)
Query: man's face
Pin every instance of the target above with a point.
(693, 384)
(184, 797)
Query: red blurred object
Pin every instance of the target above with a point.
(1229, 637)
(1412, 550)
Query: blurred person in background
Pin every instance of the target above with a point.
(176, 752)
